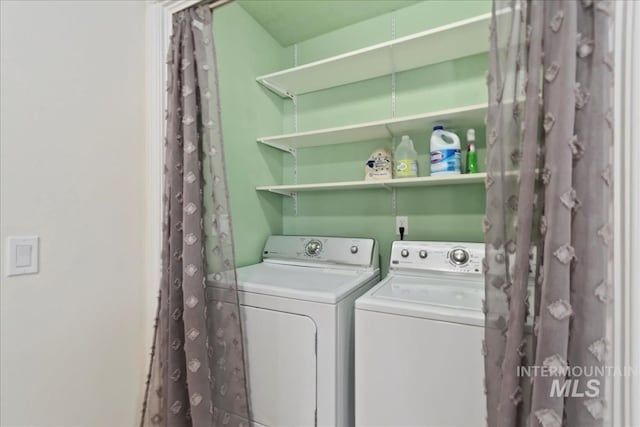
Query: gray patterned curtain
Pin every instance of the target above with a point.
(549, 136)
(197, 373)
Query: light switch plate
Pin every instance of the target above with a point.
(22, 255)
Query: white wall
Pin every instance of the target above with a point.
(72, 172)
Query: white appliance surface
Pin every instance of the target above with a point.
(297, 307)
(430, 297)
(281, 357)
(414, 372)
(310, 283)
(418, 339)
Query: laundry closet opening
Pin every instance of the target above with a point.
(255, 38)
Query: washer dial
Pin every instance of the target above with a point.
(459, 256)
(313, 248)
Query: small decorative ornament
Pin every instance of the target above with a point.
(190, 208)
(577, 148)
(551, 72)
(555, 364)
(602, 291)
(192, 301)
(560, 309)
(595, 407)
(516, 396)
(582, 96)
(378, 167)
(565, 254)
(599, 349)
(196, 398)
(175, 375)
(193, 334)
(556, 21)
(189, 147)
(548, 418)
(176, 407)
(186, 91)
(549, 121)
(191, 270)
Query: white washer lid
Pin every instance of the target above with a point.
(319, 284)
(437, 297)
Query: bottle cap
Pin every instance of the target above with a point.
(438, 127)
(471, 135)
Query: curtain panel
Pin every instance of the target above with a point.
(197, 375)
(547, 224)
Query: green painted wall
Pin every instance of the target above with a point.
(245, 50)
(435, 213)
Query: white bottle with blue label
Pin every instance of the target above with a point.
(445, 152)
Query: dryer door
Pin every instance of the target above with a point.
(281, 353)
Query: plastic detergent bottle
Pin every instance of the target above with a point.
(405, 159)
(472, 156)
(445, 152)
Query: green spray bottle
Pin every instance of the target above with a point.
(472, 156)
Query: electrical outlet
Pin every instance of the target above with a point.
(402, 221)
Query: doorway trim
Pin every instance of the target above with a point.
(626, 215)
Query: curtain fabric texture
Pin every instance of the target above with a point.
(549, 136)
(197, 373)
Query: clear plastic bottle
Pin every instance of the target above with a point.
(405, 159)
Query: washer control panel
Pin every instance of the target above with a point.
(330, 250)
(437, 256)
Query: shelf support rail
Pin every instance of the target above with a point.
(393, 115)
(281, 147)
(294, 99)
(282, 92)
(386, 126)
(284, 192)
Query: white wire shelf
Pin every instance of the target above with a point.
(456, 40)
(424, 181)
(468, 116)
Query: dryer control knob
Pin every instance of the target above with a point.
(404, 253)
(354, 249)
(423, 254)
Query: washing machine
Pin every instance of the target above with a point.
(298, 308)
(418, 339)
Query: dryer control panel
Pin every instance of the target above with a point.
(322, 249)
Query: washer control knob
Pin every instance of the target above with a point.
(313, 248)
(459, 256)
(354, 249)
(404, 253)
(423, 254)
